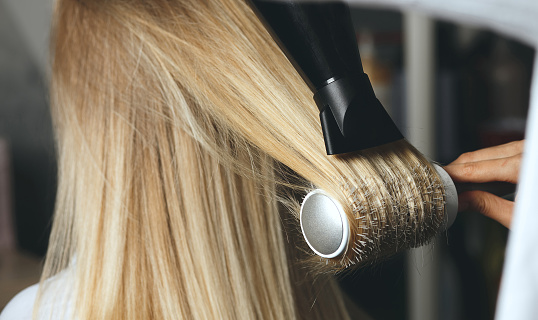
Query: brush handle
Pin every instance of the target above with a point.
(504, 190)
(451, 197)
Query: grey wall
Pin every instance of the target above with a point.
(32, 19)
(24, 117)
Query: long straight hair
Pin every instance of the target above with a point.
(174, 119)
(169, 210)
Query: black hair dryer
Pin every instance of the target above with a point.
(319, 40)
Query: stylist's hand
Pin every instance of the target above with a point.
(500, 163)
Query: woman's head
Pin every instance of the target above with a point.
(172, 119)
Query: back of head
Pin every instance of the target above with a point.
(174, 120)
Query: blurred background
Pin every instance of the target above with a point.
(478, 83)
(27, 163)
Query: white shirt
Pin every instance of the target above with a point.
(21, 306)
(56, 303)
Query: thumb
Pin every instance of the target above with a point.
(487, 204)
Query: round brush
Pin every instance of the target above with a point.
(326, 228)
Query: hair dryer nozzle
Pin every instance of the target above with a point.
(320, 41)
(351, 116)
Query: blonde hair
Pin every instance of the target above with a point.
(173, 120)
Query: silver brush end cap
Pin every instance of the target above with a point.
(324, 224)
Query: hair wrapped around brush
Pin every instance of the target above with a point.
(173, 120)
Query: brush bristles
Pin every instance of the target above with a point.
(395, 202)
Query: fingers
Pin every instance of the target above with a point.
(500, 169)
(500, 163)
(501, 151)
(487, 204)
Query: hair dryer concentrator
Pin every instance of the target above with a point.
(319, 40)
